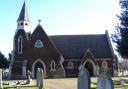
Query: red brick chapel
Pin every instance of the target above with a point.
(57, 55)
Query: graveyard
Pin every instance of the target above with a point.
(80, 61)
(83, 81)
(65, 83)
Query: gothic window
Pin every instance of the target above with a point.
(20, 42)
(70, 65)
(53, 65)
(104, 64)
(38, 44)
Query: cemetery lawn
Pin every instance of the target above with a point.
(63, 83)
(123, 87)
(9, 85)
(71, 83)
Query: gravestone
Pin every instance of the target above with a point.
(39, 78)
(1, 86)
(83, 78)
(29, 80)
(105, 82)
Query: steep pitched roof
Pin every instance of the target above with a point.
(38, 30)
(88, 54)
(24, 13)
(75, 46)
(40, 34)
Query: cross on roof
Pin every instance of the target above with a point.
(39, 21)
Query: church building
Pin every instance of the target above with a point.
(57, 55)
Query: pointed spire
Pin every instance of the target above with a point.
(24, 13)
(23, 20)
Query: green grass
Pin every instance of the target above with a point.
(7, 86)
(123, 87)
(61, 82)
(31, 87)
(94, 86)
(22, 87)
(10, 87)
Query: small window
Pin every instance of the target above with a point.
(53, 65)
(70, 65)
(104, 64)
(20, 42)
(26, 24)
(38, 44)
(21, 23)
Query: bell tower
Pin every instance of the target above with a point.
(23, 22)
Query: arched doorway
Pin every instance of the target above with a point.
(88, 65)
(38, 64)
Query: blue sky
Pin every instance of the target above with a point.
(58, 17)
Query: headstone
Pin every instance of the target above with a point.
(41, 79)
(83, 78)
(1, 86)
(29, 80)
(39, 76)
(105, 82)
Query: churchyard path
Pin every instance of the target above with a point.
(61, 83)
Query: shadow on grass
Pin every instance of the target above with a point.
(20, 87)
(94, 88)
(93, 85)
(9, 88)
(121, 87)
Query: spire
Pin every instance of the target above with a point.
(24, 13)
(23, 20)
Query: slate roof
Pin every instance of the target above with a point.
(75, 46)
(24, 13)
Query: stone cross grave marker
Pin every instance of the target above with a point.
(105, 82)
(29, 80)
(1, 86)
(83, 78)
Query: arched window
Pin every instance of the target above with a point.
(70, 65)
(39, 44)
(53, 65)
(20, 42)
(104, 64)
